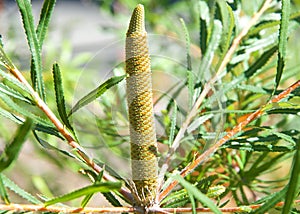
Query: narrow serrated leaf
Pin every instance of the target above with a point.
(10, 116)
(11, 79)
(11, 150)
(295, 110)
(260, 27)
(48, 130)
(19, 191)
(190, 76)
(214, 42)
(252, 88)
(228, 23)
(45, 17)
(102, 187)
(173, 124)
(262, 60)
(227, 18)
(86, 200)
(294, 183)
(4, 60)
(59, 95)
(204, 20)
(47, 145)
(197, 122)
(13, 93)
(3, 192)
(93, 95)
(112, 199)
(283, 36)
(21, 110)
(34, 46)
(198, 195)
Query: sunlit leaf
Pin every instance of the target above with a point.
(93, 95)
(59, 95)
(101, 187)
(34, 46)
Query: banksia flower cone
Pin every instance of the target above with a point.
(140, 106)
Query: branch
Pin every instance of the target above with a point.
(205, 91)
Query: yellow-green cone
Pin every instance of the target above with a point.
(140, 106)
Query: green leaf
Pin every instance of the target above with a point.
(293, 184)
(283, 36)
(21, 110)
(285, 111)
(59, 95)
(88, 197)
(101, 187)
(112, 199)
(228, 23)
(10, 116)
(3, 192)
(204, 21)
(198, 195)
(12, 80)
(260, 27)
(13, 93)
(12, 150)
(45, 17)
(93, 95)
(4, 60)
(193, 203)
(86, 200)
(209, 54)
(47, 145)
(271, 201)
(190, 76)
(282, 108)
(173, 125)
(198, 121)
(252, 88)
(262, 60)
(48, 130)
(19, 191)
(34, 46)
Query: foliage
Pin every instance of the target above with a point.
(222, 75)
